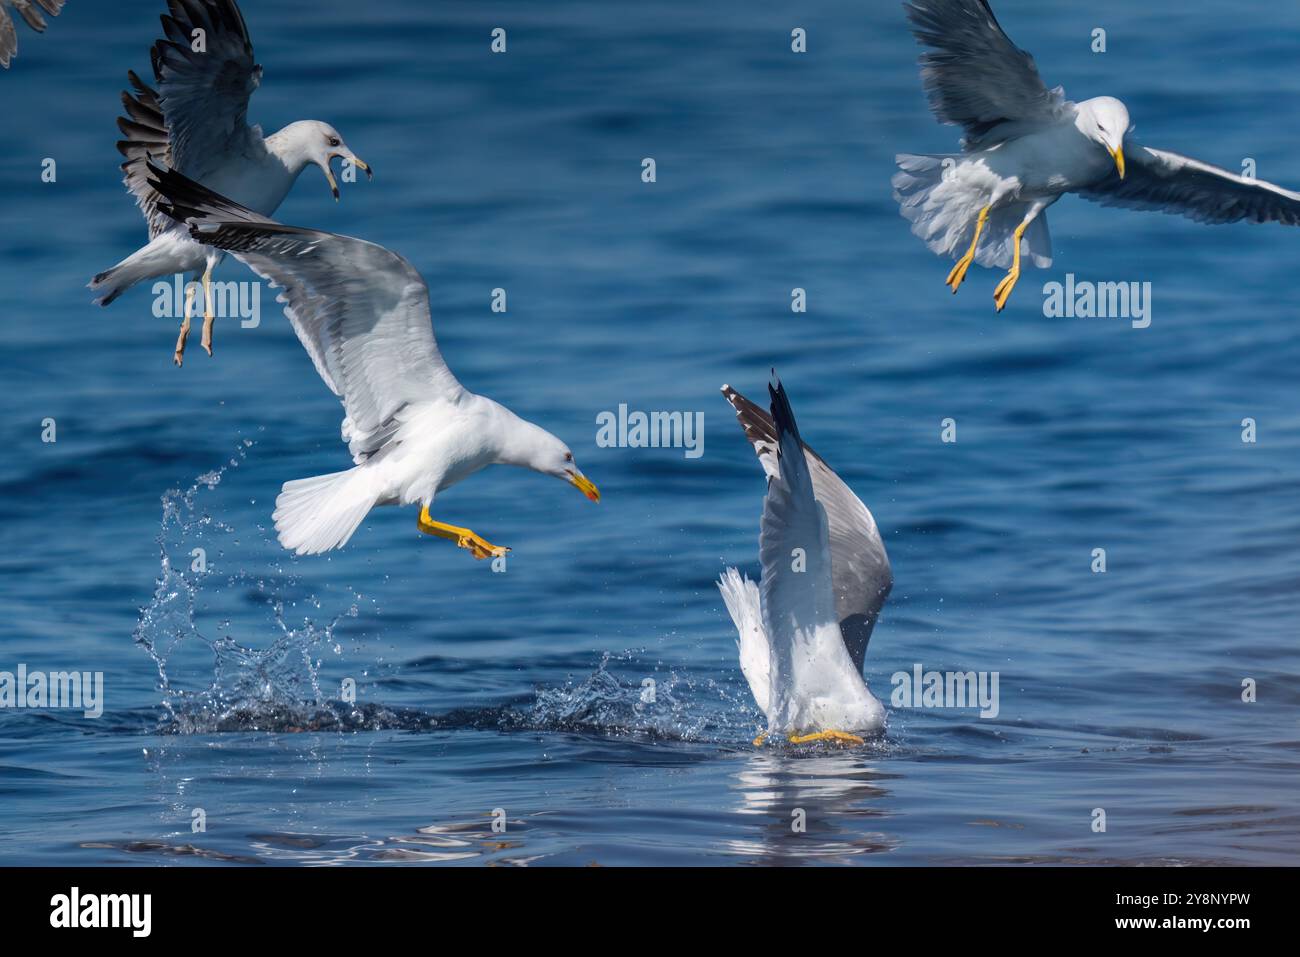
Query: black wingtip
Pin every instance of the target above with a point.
(774, 387)
(161, 180)
(190, 202)
(782, 414)
(175, 191)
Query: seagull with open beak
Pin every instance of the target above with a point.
(195, 119)
(335, 148)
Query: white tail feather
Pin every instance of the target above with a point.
(111, 283)
(943, 214)
(166, 254)
(743, 604)
(313, 515)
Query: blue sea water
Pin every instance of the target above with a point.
(524, 691)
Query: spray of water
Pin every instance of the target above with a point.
(208, 680)
(269, 677)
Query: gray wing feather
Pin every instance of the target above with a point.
(145, 132)
(200, 107)
(860, 572)
(974, 76)
(9, 36)
(203, 95)
(361, 311)
(799, 614)
(1167, 182)
(32, 15)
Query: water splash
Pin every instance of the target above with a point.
(674, 707)
(210, 682)
(213, 683)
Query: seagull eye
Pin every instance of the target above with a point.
(335, 141)
(568, 456)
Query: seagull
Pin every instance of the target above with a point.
(196, 122)
(27, 10)
(362, 313)
(803, 636)
(1026, 146)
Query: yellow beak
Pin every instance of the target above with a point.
(585, 486)
(1118, 153)
(358, 161)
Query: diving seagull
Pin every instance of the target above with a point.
(803, 635)
(196, 122)
(1026, 146)
(362, 313)
(27, 10)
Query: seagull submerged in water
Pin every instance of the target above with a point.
(196, 122)
(803, 636)
(362, 313)
(1026, 146)
(27, 10)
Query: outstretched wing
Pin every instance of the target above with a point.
(204, 70)
(145, 132)
(360, 310)
(204, 92)
(27, 9)
(810, 666)
(860, 574)
(1160, 180)
(974, 76)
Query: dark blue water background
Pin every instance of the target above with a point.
(522, 691)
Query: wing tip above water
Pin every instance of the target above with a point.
(782, 413)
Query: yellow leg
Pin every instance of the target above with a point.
(478, 547)
(208, 317)
(179, 357)
(843, 737)
(959, 271)
(1003, 292)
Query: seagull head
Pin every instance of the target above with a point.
(556, 459)
(322, 144)
(532, 447)
(1105, 121)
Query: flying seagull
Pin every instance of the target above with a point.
(804, 635)
(1026, 146)
(362, 313)
(196, 122)
(27, 10)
